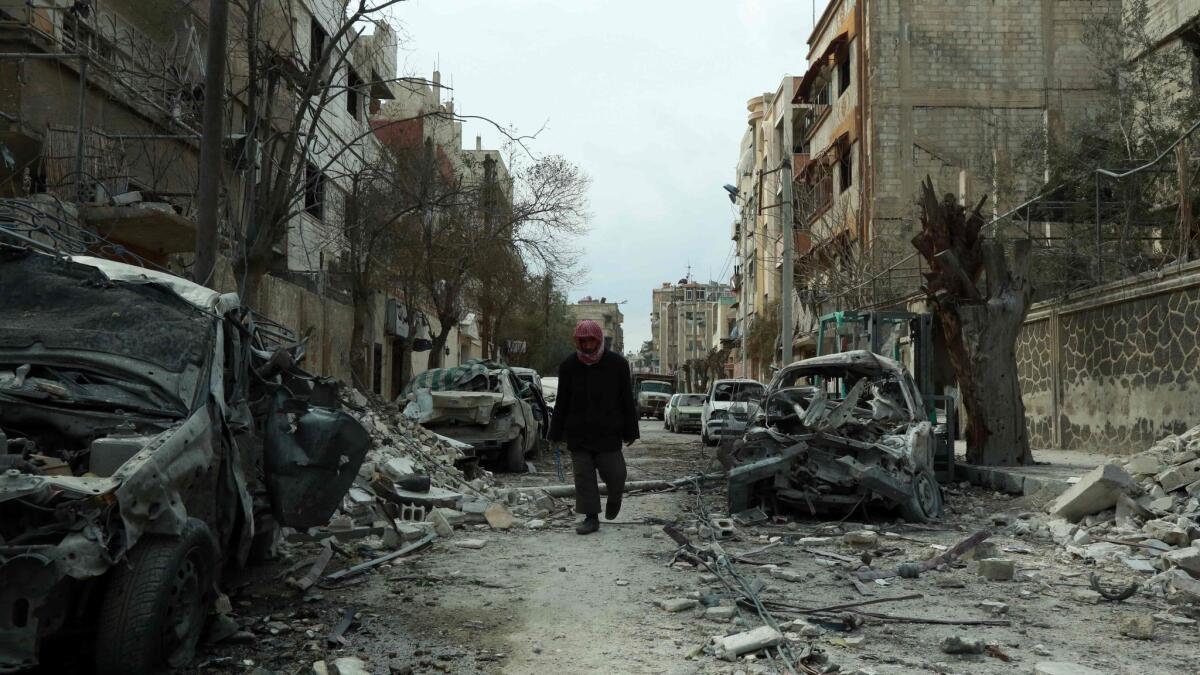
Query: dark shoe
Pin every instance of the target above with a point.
(612, 507)
(588, 525)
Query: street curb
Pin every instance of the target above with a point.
(1006, 480)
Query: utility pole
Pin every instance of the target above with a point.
(211, 141)
(787, 227)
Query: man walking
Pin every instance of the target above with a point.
(594, 413)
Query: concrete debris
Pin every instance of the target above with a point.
(441, 524)
(1095, 492)
(786, 575)
(994, 607)
(1063, 668)
(498, 516)
(470, 543)
(535, 524)
(864, 539)
(677, 604)
(1187, 559)
(720, 613)
(1138, 627)
(732, 646)
(349, 665)
(956, 644)
(997, 569)
(1174, 619)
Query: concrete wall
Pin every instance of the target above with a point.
(1114, 368)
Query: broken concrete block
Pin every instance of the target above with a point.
(994, 607)
(720, 613)
(864, 539)
(348, 665)
(786, 575)
(997, 569)
(1095, 492)
(1167, 531)
(498, 516)
(454, 517)
(1187, 559)
(732, 646)
(470, 543)
(1127, 509)
(1179, 476)
(956, 644)
(441, 524)
(1162, 504)
(1063, 668)
(1145, 463)
(677, 604)
(435, 498)
(535, 524)
(320, 668)
(1138, 627)
(474, 509)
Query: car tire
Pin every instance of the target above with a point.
(514, 455)
(153, 609)
(926, 503)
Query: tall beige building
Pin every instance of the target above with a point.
(687, 321)
(897, 91)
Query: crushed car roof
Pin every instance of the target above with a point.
(859, 362)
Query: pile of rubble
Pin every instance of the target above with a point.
(1141, 514)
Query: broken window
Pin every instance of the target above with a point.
(314, 191)
(353, 95)
(843, 68)
(845, 170)
(316, 42)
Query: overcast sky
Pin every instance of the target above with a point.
(648, 97)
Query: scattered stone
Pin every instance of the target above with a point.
(348, 665)
(498, 516)
(1187, 559)
(1041, 650)
(994, 607)
(997, 569)
(707, 578)
(786, 574)
(535, 524)
(732, 646)
(1144, 463)
(1176, 477)
(1138, 626)
(1085, 595)
(949, 581)
(956, 644)
(441, 524)
(622, 582)
(677, 604)
(720, 613)
(1174, 619)
(320, 668)
(1063, 668)
(1166, 531)
(470, 543)
(1095, 492)
(984, 549)
(864, 539)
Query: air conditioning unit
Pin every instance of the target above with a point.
(395, 320)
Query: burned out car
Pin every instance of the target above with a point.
(152, 431)
(485, 405)
(836, 432)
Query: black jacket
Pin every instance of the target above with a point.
(594, 402)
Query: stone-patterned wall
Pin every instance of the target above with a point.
(1037, 381)
(1125, 369)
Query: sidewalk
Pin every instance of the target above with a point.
(1053, 469)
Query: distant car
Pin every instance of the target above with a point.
(728, 408)
(652, 395)
(683, 413)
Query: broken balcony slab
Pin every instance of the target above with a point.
(155, 226)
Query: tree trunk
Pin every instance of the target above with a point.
(981, 329)
(360, 338)
(437, 355)
(249, 274)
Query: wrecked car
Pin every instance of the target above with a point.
(728, 407)
(834, 433)
(483, 404)
(152, 432)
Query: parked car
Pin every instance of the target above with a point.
(483, 404)
(138, 412)
(837, 432)
(728, 408)
(683, 412)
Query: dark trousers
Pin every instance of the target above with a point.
(589, 458)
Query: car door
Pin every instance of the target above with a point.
(512, 387)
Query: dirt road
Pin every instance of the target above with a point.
(550, 601)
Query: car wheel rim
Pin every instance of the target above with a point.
(927, 494)
(185, 611)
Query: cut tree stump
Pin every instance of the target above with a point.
(981, 326)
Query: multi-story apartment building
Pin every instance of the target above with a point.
(100, 106)
(607, 314)
(898, 91)
(687, 321)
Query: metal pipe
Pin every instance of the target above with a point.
(81, 121)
